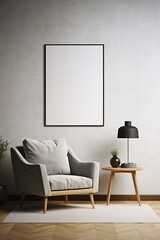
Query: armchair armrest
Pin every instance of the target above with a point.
(30, 178)
(86, 169)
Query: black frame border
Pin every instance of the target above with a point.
(45, 46)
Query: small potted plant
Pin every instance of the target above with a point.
(3, 148)
(115, 161)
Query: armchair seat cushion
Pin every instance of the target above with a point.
(64, 182)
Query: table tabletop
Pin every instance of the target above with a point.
(119, 169)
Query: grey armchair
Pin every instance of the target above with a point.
(32, 178)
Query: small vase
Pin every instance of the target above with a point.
(115, 162)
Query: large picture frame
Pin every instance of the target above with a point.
(74, 85)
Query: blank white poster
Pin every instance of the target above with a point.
(74, 85)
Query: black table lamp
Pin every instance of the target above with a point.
(128, 132)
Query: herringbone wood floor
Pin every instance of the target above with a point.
(78, 231)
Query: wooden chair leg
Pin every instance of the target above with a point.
(92, 199)
(22, 199)
(45, 204)
(66, 199)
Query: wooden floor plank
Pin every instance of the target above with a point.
(86, 231)
(127, 232)
(5, 229)
(64, 232)
(20, 232)
(106, 231)
(147, 231)
(43, 231)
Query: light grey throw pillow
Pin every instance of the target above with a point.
(51, 153)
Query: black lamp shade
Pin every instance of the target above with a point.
(128, 131)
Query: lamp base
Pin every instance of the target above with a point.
(128, 165)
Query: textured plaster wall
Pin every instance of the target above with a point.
(130, 32)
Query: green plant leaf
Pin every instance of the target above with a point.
(114, 152)
(3, 147)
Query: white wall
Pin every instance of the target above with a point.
(130, 32)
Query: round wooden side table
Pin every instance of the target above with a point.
(113, 171)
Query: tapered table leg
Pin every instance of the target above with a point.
(110, 187)
(136, 187)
